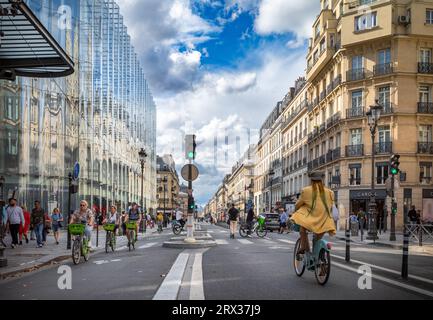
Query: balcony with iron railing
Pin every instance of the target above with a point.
(425, 67)
(336, 82)
(329, 156)
(425, 147)
(388, 108)
(315, 163)
(336, 153)
(383, 69)
(304, 161)
(355, 112)
(357, 74)
(356, 150)
(322, 128)
(425, 107)
(383, 147)
(322, 95)
(333, 120)
(329, 88)
(322, 160)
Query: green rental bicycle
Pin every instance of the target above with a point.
(80, 246)
(110, 239)
(132, 229)
(259, 228)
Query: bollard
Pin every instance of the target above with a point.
(347, 244)
(420, 235)
(404, 268)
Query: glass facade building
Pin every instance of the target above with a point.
(100, 117)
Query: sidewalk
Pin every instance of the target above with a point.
(28, 258)
(384, 241)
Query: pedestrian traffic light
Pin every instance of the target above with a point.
(191, 203)
(394, 164)
(190, 147)
(394, 208)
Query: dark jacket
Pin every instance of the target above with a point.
(233, 214)
(250, 216)
(37, 216)
(412, 215)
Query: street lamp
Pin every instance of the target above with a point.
(373, 117)
(271, 176)
(164, 181)
(142, 156)
(2, 183)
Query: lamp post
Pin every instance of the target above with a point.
(373, 117)
(142, 156)
(164, 181)
(2, 184)
(271, 176)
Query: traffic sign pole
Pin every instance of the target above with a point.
(190, 222)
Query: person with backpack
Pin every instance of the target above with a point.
(37, 222)
(233, 218)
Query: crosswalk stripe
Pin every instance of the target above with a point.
(287, 241)
(245, 241)
(223, 231)
(121, 248)
(148, 245)
(221, 241)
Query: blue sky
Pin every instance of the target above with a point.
(217, 68)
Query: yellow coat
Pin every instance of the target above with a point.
(318, 221)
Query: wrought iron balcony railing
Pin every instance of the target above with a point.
(383, 147)
(356, 74)
(425, 147)
(425, 107)
(383, 69)
(355, 112)
(356, 150)
(425, 67)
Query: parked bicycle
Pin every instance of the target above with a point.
(318, 261)
(110, 239)
(131, 229)
(80, 245)
(259, 228)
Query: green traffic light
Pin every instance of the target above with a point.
(394, 171)
(191, 155)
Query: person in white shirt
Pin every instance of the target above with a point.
(179, 217)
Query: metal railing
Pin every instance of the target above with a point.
(425, 107)
(425, 67)
(322, 160)
(336, 153)
(383, 147)
(388, 108)
(356, 150)
(425, 147)
(356, 74)
(383, 69)
(355, 112)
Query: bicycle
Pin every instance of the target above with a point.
(177, 227)
(259, 228)
(160, 227)
(131, 229)
(110, 239)
(319, 261)
(80, 245)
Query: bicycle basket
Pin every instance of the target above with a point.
(131, 226)
(261, 220)
(77, 229)
(109, 227)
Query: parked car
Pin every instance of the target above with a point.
(272, 221)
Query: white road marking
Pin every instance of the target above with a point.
(196, 289)
(116, 260)
(245, 241)
(384, 269)
(277, 247)
(210, 231)
(148, 245)
(169, 288)
(223, 231)
(392, 282)
(101, 262)
(287, 241)
(121, 248)
(221, 241)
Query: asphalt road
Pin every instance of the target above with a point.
(239, 269)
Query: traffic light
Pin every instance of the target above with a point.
(191, 203)
(394, 207)
(394, 164)
(190, 147)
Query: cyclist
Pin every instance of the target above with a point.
(134, 215)
(313, 211)
(250, 219)
(85, 216)
(179, 217)
(112, 218)
(160, 219)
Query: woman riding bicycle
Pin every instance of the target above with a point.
(134, 215)
(85, 216)
(313, 211)
(112, 218)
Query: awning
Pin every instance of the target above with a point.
(26, 47)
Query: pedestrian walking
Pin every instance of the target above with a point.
(233, 218)
(413, 217)
(37, 222)
(283, 222)
(56, 223)
(15, 218)
(47, 227)
(25, 229)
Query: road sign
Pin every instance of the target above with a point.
(76, 172)
(194, 172)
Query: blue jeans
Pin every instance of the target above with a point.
(38, 228)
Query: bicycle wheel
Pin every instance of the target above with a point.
(298, 260)
(107, 241)
(134, 240)
(76, 252)
(243, 232)
(86, 250)
(261, 232)
(177, 230)
(323, 267)
(131, 234)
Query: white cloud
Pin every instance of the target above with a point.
(236, 83)
(283, 16)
